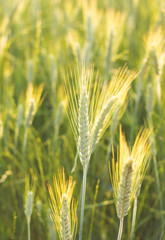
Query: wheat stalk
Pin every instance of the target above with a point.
(128, 172)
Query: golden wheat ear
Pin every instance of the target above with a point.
(128, 172)
(65, 218)
(63, 206)
(110, 98)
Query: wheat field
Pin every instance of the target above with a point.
(82, 116)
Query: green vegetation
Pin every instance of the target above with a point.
(43, 45)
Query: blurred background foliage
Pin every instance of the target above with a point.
(39, 40)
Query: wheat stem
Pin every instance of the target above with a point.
(24, 149)
(28, 226)
(133, 218)
(158, 182)
(85, 169)
(120, 229)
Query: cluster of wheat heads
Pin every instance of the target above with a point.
(90, 103)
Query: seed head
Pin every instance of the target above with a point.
(63, 206)
(91, 103)
(29, 205)
(128, 172)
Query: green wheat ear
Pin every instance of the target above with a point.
(84, 132)
(124, 192)
(91, 102)
(29, 196)
(29, 205)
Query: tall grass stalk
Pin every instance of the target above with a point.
(135, 207)
(120, 229)
(133, 218)
(28, 226)
(93, 210)
(85, 169)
